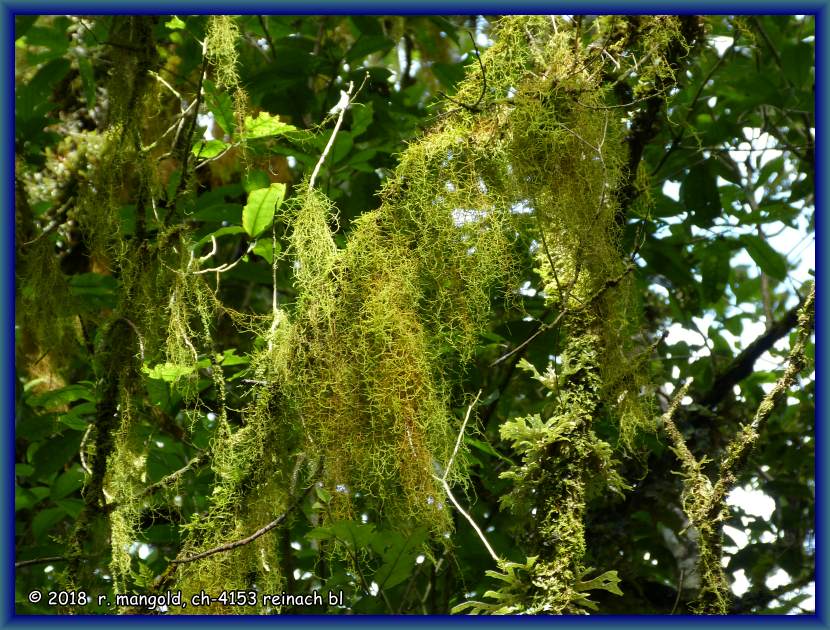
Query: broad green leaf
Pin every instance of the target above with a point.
(608, 581)
(367, 45)
(208, 148)
(322, 494)
(362, 115)
(255, 180)
(23, 499)
(265, 125)
(50, 36)
(484, 447)
(231, 229)
(229, 357)
(356, 535)
(74, 419)
(342, 145)
(221, 105)
(771, 262)
(259, 211)
(45, 520)
(174, 23)
(62, 396)
(399, 558)
(715, 270)
(72, 507)
(265, 248)
(23, 470)
(216, 213)
(67, 483)
(320, 533)
(699, 193)
(169, 372)
(87, 80)
(449, 74)
(22, 24)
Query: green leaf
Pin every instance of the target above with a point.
(23, 470)
(368, 44)
(52, 37)
(62, 396)
(356, 535)
(265, 248)
(87, 80)
(72, 507)
(208, 148)
(362, 115)
(231, 229)
(54, 454)
(46, 520)
(320, 533)
(67, 483)
(322, 494)
(216, 213)
(22, 24)
(448, 73)
(342, 145)
(75, 418)
(265, 125)
(259, 211)
(771, 262)
(699, 192)
(715, 270)
(608, 581)
(169, 372)
(255, 180)
(174, 23)
(484, 447)
(399, 557)
(221, 105)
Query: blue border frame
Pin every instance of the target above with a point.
(8, 9)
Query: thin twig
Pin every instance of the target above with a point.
(443, 481)
(174, 476)
(679, 590)
(468, 517)
(545, 327)
(82, 449)
(228, 266)
(474, 107)
(333, 134)
(268, 39)
(460, 435)
(28, 563)
(248, 539)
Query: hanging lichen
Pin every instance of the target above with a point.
(220, 46)
(567, 158)
(356, 380)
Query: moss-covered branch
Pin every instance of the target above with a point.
(704, 503)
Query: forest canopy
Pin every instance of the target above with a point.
(414, 315)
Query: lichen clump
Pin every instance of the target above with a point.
(355, 381)
(362, 373)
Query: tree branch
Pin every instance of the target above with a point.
(741, 367)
